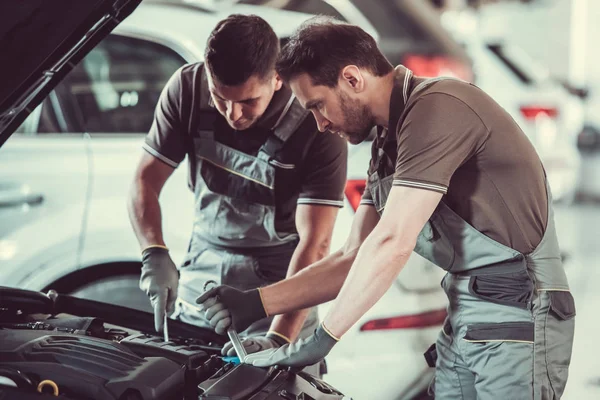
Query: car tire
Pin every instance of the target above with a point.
(121, 290)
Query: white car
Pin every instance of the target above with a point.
(65, 175)
(549, 115)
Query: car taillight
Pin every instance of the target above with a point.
(354, 191)
(433, 66)
(532, 112)
(424, 320)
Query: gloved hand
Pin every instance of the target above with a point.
(159, 281)
(225, 306)
(300, 353)
(254, 344)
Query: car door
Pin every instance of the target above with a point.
(44, 183)
(112, 95)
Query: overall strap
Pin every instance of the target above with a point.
(202, 116)
(291, 118)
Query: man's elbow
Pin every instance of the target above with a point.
(398, 244)
(317, 247)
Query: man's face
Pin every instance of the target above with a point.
(244, 104)
(335, 109)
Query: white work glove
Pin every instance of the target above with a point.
(254, 344)
(159, 281)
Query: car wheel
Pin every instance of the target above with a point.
(121, 290)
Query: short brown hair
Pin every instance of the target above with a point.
(239, 47)
(323, 46)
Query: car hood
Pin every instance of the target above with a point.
(41, 41)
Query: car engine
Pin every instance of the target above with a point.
(55, 346)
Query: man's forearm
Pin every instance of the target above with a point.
(378, 263)
(145, 215)
(290, 324)
(316, 284)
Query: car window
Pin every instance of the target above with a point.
(114, 89)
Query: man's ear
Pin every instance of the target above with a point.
(278, 81)
(353, 78)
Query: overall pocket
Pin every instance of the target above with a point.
(237, 219)
(559, 331)
(434, 245)
(501, 356)
(511, 289)
(521, 332)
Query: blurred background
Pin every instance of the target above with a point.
(65, 174)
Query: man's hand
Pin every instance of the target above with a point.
(301, 353)
(225, 306)
(159, 281)
(255, 344)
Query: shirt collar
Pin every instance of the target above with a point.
(276, 108)
(403, 82)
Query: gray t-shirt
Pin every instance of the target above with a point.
(319, 179)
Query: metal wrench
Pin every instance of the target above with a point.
(239, 348)
(166, 328)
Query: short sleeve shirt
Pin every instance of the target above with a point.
(454, 139)
(321, 176)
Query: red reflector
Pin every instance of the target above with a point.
(354, 191)
(424, 320)
(434, 66)
(532, 112)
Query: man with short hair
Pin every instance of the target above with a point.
(262, 177)
(451, 177)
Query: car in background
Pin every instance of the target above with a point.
(65, 175)
(550, 115)
(408, 31)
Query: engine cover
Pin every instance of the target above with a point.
(87, 367)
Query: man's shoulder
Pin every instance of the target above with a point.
(188, 73)
(449, 90)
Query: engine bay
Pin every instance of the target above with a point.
(58, 346)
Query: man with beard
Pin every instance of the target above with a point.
(453, 178)
(261, 174)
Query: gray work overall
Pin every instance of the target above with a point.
(509, 330)
(234, 241)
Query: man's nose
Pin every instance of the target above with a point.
(322, 123)
(234, 111)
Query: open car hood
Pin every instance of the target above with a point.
(41, 41)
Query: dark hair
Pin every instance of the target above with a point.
(323, 46)
(239, 47)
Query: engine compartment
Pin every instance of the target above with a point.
(48, 351)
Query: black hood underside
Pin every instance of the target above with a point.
(41, 41)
